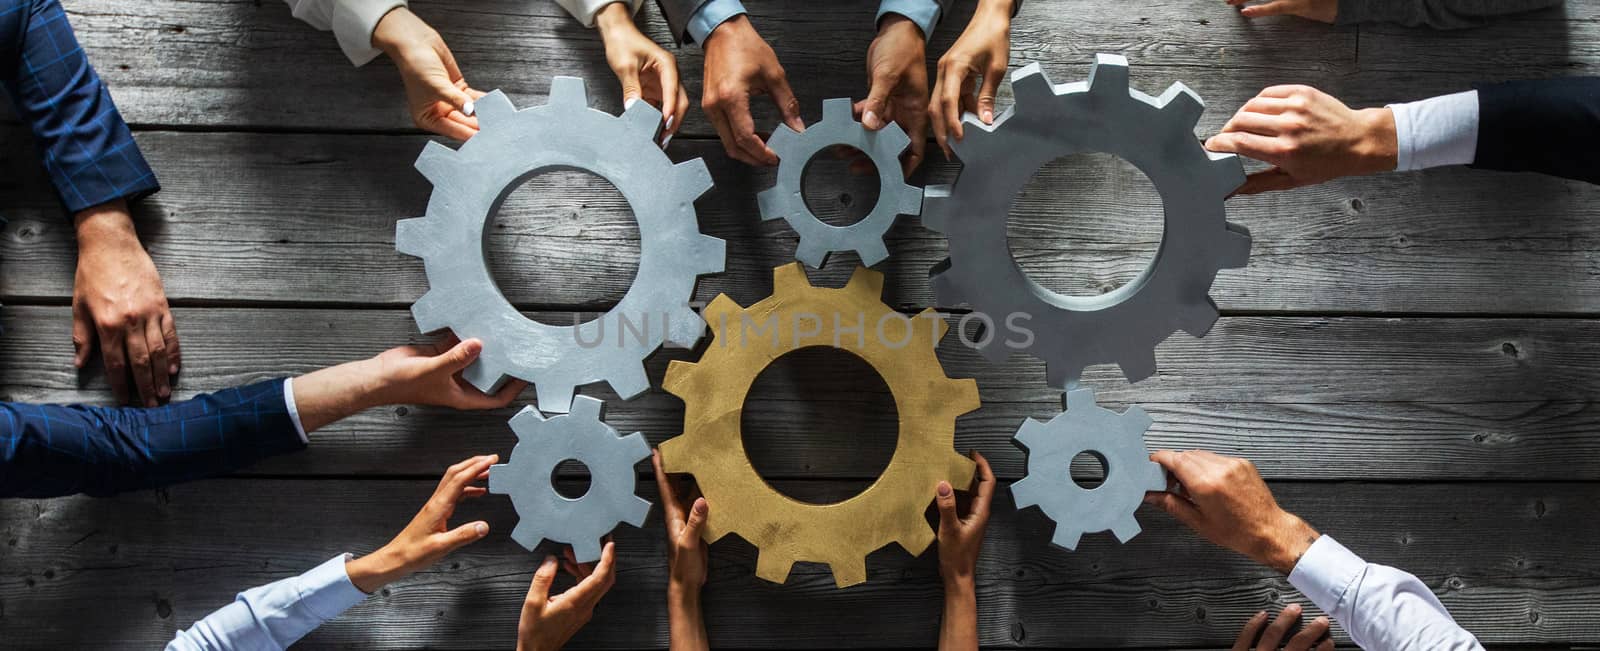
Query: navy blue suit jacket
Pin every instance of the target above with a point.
(54, 450)
(88, 152)
(1547, 125)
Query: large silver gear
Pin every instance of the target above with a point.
(470, 183)
(784, 199)
(1117, 439)
(543, 513)
(1156, 135)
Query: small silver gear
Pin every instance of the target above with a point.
(1047, 122)
(784, 199)
(543, 513)
(470, 183)
(1117, 439)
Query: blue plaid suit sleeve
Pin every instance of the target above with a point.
(88, 150)
(55, 450)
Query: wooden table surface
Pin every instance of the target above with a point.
(1409, 358)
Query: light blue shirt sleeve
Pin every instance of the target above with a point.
(925, 13)
(710, 15)
(1382, 608)
(275, 615)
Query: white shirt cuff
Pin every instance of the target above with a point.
(1437, 131)
(1325, 572)
(925, 13)
(711, 14)
(328, 589)
(586, 10)
(294, 412)
(353, 24)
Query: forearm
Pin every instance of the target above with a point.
(1379, 606)
(276, 615)
(1551, 126)
(1438, 14)
(958, 628)
(686, 623)
(331, 394)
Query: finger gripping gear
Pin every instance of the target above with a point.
(784, 199)
(1048, 121)
(469, 185)
(1117, 439)
(543, 513)
(798, 315)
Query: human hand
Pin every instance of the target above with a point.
(739, 64)
(430, 374)
(898, 70)
(428, 537)
(1319, 10)
(646, 70)
(118, 300)
(1226, 502)
(983, 50)
(1258, 635)
(548, 621)
(436, 93)
(960, 537)
(1309, 137)
(685, 515)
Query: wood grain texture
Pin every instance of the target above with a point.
(310, 219)
(1347, 398)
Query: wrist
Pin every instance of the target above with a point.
(1286, 542)
(107, 224)
(373, 571)
(995, 9)
(958, 582)
(389, 35)
(1379, 145)
(683, 595)
(893, 22)
(730, 29)
(613, 17)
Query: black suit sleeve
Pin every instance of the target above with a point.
(1551, 126)
(677, 13)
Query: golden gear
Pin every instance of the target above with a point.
(855, 319)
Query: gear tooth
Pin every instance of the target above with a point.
(811, 253)
(500, 478)
(1126, 529)
(586, 550)
(413, 237)
(1139, 366)
(865, 281)
(790, 277)
(1136, 419)
(773, 566)
(1031, 88)
(940, 328)
(838, 108)
(1151, 475)
(685, 328)
(1179, 100)
(916, 539)
(721, 312)
(935, 207)
(638, 509)
(1080, 399)
(945, 290)
(872, 253)
(672, 452)
(1066, 537)
(782, 140)
(435, 162)
(1062, 373)
(493, 109)
(1031, 435)
(1236, 254)
(433, 311)
(692, 179)
(971, 144)
(568, 92)
(1025, 493)
(678, 372)
(774, 203)
(486, 377)
(630, 381)
(1199, 317)
(713, 250)
(1109, 76)
(849, 572)
(527, 535)
(1228, 170)
(636, 447)
(586, 408)
(555, 398)
(889, 141)
(525, 421)
(910, 201)
(643, 118)
(963, 398)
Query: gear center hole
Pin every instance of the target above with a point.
(557, 224)
(840, 185)
(1089, 470)
(820, 425)
(570, 479)
(1086, 225)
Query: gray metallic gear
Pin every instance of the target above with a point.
(1117, 440)
(543, 513)
(470, 183)
(1156, 135)
(819, 238)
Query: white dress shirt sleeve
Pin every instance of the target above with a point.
(1437, 131)
(586, 10)
(1382, 608)
(275, 615)
(352, 22)
(294, 411)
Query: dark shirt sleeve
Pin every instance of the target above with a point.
(1438, 14)
(88, 150)
(55, 450)
(1550, 126)
(678, 13)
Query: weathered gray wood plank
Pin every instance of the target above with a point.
(303, 218)
(239, 63)
(1510, 561)
(1348, 398)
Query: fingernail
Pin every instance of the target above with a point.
(171, 370)
(988, 116)
(628, 103)
(700, 506)
(482, 529)
(944, 489)
(469, 108)
(1294, 608)
(668, 125)
(870, 119)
